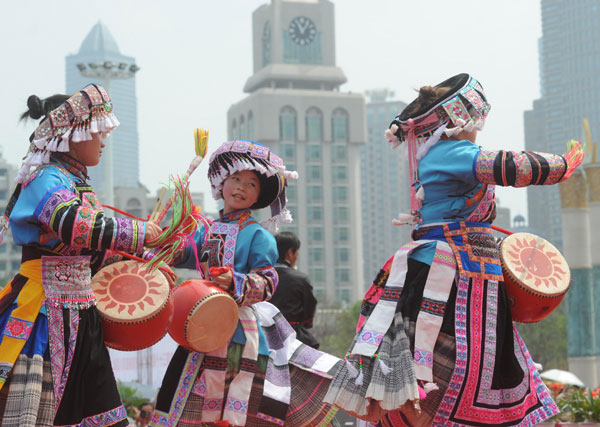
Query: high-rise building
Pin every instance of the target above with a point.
(569, 69)
(385, 190)
(98, 47)
(295, 107)
(10, 254)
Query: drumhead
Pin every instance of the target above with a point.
(211, 323)
(535, 264)
(127, 292)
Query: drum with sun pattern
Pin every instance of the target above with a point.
(536, 276)
(135, 304)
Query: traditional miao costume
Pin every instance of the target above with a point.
(54, 366)
(264, 376)
(437, 313)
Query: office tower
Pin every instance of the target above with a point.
(385, 190)
(294, 106)
(99, 47)
(569, 69)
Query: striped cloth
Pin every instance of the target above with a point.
(392, 389)
(29, 396)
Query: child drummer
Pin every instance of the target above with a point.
(239, 383)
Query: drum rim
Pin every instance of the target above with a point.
(196, 306)
(516, 281)
(139, 348)
(143, 319)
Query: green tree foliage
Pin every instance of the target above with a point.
(130, 397)
(547, 339)
(336, 331)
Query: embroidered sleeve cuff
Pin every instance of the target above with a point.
(128, 235)
(256, 286)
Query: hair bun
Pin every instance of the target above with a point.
(36, 107)
(428, 93)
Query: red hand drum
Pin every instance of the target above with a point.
(205, 316)
(134, 303)
(536, 276)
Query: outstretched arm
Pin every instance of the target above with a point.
(521, 169)
(84, 226)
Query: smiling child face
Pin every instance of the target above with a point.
(240, 191)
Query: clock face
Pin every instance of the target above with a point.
(302, 30)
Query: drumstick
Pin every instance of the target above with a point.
(200, 145)
(501, 230)
(159, 204)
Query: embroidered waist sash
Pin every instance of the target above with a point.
(66, 281)
(474, 247)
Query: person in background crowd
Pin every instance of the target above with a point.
(294, 295)
(143, 414)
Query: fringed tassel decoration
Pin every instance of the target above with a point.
(359, 379)
(181, 229)
(573, 158)
(385, 369)
(430, 387)
(352, 371)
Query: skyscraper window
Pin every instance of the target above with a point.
(314, 124)
(287, 124)
(339, 125)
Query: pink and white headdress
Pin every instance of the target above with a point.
(463, 107)
(236, 156)
(88, 111)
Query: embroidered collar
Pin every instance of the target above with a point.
(72, 165)
(240, 216)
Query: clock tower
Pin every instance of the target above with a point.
(294, 106)
(295, 40)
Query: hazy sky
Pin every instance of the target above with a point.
(195, 57)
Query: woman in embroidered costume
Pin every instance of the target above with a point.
(435, 342)
(265, 376)
(54, 366)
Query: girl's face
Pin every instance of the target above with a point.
(240, 191)
(88, 152)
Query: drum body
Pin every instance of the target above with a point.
(135, 304)
(205, 316)
(536, 276)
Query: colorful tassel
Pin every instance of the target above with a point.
(359, 379)
(385, 369)
(181, 229)
(352, 371)
(422, 394)
(430, 387)
(404, 219)
(573, 158)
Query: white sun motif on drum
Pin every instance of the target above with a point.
(129, 288)
(532, 260)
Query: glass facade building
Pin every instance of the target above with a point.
(99, 46)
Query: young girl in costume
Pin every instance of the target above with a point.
(264, 376)
(435, 343)
(54, 366)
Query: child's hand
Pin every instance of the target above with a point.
(152, 231)
(222, 277)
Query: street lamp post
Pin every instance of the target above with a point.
(108, 71)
